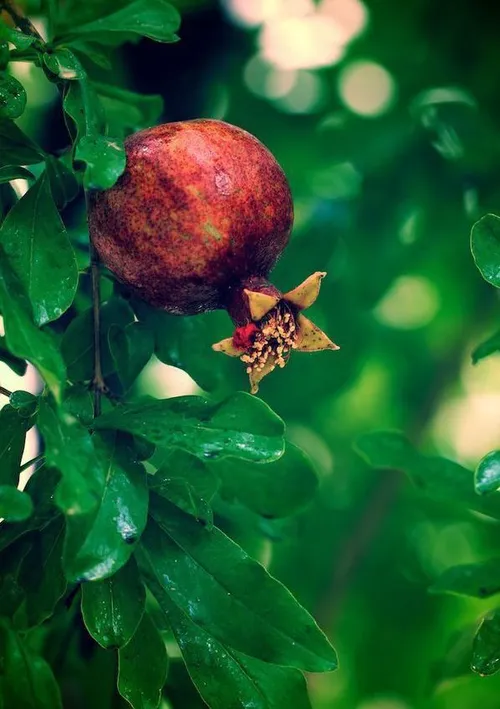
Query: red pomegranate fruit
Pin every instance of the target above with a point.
(195, 223)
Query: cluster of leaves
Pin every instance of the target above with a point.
(118, 530)
(448, 482)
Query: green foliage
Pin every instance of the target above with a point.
(241, 426)
(118, 536)
(165, 527)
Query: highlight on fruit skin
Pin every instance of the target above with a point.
(196, 222)
(277, 327)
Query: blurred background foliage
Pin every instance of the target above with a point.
(384, 116)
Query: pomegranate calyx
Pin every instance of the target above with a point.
(266, 342)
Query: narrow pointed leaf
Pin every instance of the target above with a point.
(70, 448)
(143, 666)
(241, 426)
(155, 19)
(23, 338)
(112, 608)
(99, 543)
(486, 348)
(228, 593)
(37, 245)
(226, 679)
(438, 478)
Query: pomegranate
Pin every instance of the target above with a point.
(195, 223)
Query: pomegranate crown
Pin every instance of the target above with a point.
(273, 327)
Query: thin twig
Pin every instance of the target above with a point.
(31, 462)
(20, 20)
(5, 391)
(98, 384)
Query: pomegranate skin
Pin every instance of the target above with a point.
(201, 207)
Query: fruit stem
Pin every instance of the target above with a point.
(5, 391)
(98, 384)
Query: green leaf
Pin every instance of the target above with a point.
(143, 666)
(485, 245)
(77, 344)
(12, 436)
(100, 543)
(487, 348)
(82, 105)
(95, 54)
(41, 575)
(226, 679)
(12, 97)
(37, 245)
(17, 365)
(241, 425)
(270, 489)
(486, 647)
(228, 593)
(105, 160)
(15, 147)
(438, 478)
(487, 475)
(112, 608)
(186, 481)
(40, 487)
(386, 449)
(477, 580)
(14, 172)
(63, 184)
(23, 338)
(15, 506)
(17, 38)
(64, 64)
(78, 402)
(27, 679)
(155, 19)
(70, 448)
(131, 349)
(25, 404)
(11, 559)
(128, 111)
(184, 343)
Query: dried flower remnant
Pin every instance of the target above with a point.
(276, 326)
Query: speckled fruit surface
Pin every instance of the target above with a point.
(202, 207)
